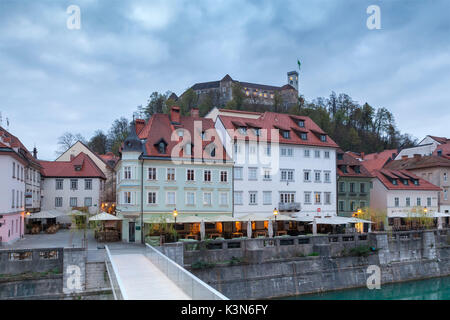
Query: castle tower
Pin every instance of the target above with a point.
(293, 79)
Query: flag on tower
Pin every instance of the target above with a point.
(299, 64)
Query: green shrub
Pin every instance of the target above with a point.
(313, 254)
(202, 265)
(361, 251)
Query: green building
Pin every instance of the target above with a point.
(354, 185)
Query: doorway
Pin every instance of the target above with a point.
(131, 231)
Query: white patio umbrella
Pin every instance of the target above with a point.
(202, 230)
(76, 213)
(270, 227)
(42, 215)
(104, 217)
(249, 229)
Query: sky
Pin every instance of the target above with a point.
(54, 79)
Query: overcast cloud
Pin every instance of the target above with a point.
(53, 79)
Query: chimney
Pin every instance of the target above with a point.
(195, 113)
(404, 157)
(362, 155)
(35, 153)
(140, 124)
(175, 114)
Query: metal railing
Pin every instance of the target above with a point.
(186, 281)
(114, 278)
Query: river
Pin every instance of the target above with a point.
(430, 289)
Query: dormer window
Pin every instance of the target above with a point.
(344, 169)
(416, 182)
(243, 130)
(394, 182)
(439, 153)
(405, 182)
(213, 152)
(301, 123)
(357, 169)
(340, 156)
(323, 138)
(286, 134)
(162, 147)
(77, 168)
(304, 136)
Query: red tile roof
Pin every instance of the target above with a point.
(445, 150)
(66, 169)
(11, 142)
(419, 162)
(376, 161)
(272, 120)
(160, 128)
(351, 164)
(386, 176)
(441, 140)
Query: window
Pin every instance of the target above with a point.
(306, 153)
(317, 197)
(190, 198)
(327, 176)
(408, 202)
(317, 176)
(301, 123)
(17, 198)
(223, 176)
(326, 154)
(327, 197)
(341, 205)
(127, 197)
(88, 184)
(238, 199)
(237, 148)
(362, 187)
(317, 153)
(59, 184)
(207, 175)
(243, 130)
(341, 186)
(286, 134)
(307, 197)
(445, 176)
(190, 175)
(152, 174)
(394, 182)
(162, 147)
(304, 136)
(151, 197)
(73, 184)
(445, 194)
(238, 173)
(397, 202)
(287, 152)
(267, 174)
(362, 204)
(429, 202)
(268, 151)
(170, 174)
(252, 173)
(253, 197)
(223, 198)
(207, 198)
(252, 149)
(267, 197)
(352, 206)
(352, 187)
(323, 138)
(88, 202)
(287, 197)
(419, 201)
(14, 170)
(73, 202)
(127, 173)
(170, 197)
(287, 175)
(306, 176)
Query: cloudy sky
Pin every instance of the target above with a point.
(53, 79)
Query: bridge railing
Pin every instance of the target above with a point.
(114, 278)
(186, 281)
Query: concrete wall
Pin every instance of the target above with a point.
(401, 258)
(34, 261)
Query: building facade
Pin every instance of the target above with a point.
(72, 184)
(434, 169)
(354, 185)
(280, 161)
(20, 189)
(221, 92)
(426, 147)
(173, 162)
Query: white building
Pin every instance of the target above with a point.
(18, 193)
(402, 194)
(72, 184)
(280, 161)
(425, 147)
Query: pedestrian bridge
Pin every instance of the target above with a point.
(147, 274)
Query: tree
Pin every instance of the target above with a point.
(237, 103)
(99, 142)
(277, 102)
(156, 103)
(117, 134)
(67, 140)
(188, 100)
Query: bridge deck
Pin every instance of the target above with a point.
(142, 280)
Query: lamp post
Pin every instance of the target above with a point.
(275, 213)
(175, 214)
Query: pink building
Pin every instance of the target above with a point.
(17, 167)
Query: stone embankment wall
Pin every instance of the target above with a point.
(282, 268)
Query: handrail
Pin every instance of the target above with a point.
(215, 294)
(115, 275)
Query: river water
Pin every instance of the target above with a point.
(430, 289)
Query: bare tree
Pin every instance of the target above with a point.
(67, 140)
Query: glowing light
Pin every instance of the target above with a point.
(275, 212)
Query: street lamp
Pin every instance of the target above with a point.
(275, 213)
(175, 214)
(425, 210)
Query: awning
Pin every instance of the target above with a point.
(104, 217)
(75, 213)
(253, 217)
(334, 220)
(222, 218)
(42, 215)
(418, 215)
(282, 217)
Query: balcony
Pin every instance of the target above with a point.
(289, 206)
